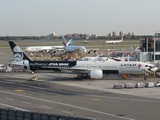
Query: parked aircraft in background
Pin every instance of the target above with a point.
(114, 41)
(85, 41)
(52, 49)
(48, 48)
(137, 50)
(93, 69)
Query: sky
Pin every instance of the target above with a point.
(100, 17)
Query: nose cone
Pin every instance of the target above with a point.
(154, 69)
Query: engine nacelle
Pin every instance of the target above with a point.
(26, 64)
(94, 51)
(23, 63)
(96, 74)
(52, 51)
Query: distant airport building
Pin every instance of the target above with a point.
(51, 35)
(54, 34)
(93, 36)
(129, 34)
(120, 34)
(114, 34)
(110, 34)
(149, 49)
(133, 34)
(157, 34)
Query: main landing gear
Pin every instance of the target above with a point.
(81, 77)
(145, 77)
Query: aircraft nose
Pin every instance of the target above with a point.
(154, 69)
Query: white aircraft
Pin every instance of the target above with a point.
(52, 49)
(114, 41)
(93, 69)
(85, 41)
(48, 48)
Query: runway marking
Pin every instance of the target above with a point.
(19, 90)
(145, 100)
(95, 99)
(68, 105)
(46, 107)
(26, 102)
(13, 107)
(67, 112)
(10, 99)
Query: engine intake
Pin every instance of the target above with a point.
(96, 74)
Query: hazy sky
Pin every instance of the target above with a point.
(42, 17)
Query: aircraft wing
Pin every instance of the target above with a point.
(77, 70)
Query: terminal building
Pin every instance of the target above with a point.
(150, 50)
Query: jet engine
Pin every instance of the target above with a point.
(23, 63)
(96, 74)
(93, 51)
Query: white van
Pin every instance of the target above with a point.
(2, 67)
(139, 85)
(149, 84)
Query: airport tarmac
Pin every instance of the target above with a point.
(58, 93)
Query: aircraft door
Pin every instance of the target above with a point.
(88, 66)
(120, 69)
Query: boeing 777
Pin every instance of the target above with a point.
(114, 41)
(93, 69)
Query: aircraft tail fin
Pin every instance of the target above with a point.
(63, 41)
(18, 52)
(121, 39)
(70, 42)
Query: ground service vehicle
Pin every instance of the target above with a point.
(35, 78)
(157, 84)
(149, 84)
(139, 85)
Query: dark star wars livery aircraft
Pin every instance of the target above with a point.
(93, 69)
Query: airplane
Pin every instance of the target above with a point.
(114, 41)
(48, 48)
(52, 49)
(85, 41)
(83, 69)
(137, 50)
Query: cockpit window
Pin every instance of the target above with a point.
(152, 67)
